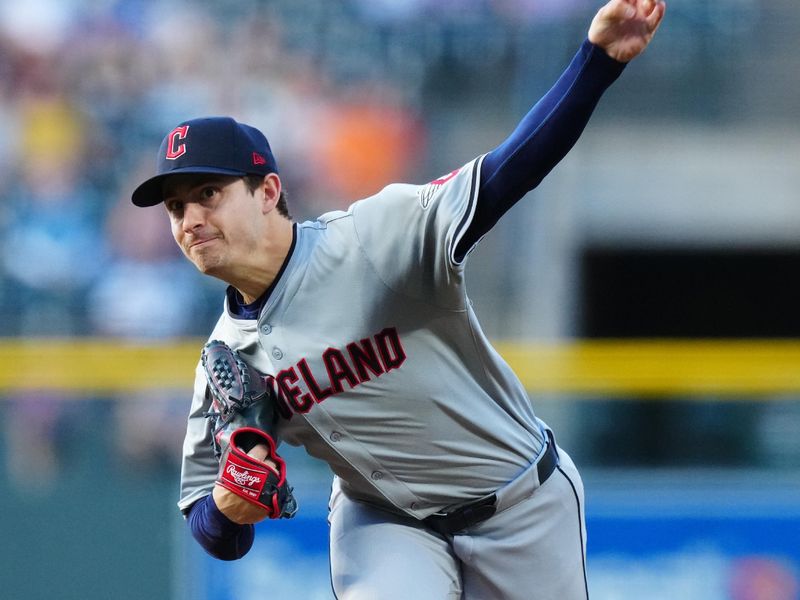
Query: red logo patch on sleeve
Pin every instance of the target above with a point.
(446, 178)
(428, 191)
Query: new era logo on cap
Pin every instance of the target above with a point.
(208, 145)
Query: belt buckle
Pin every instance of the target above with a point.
(464, 516)
(480, 510)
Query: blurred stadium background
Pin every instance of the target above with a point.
(647, 292)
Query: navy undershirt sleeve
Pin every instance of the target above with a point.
(216, 533)
(543, 137)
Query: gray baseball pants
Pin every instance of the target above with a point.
(532, 548)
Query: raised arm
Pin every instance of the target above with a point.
(620, 31)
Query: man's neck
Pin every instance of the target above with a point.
(254, 279)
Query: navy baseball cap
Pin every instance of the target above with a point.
(208, 145)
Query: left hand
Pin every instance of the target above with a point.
(624, 28)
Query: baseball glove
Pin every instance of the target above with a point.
(243, 415)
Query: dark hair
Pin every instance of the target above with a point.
(254, 182)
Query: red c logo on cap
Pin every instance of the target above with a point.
(177, 134)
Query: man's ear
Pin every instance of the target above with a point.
(272, 191)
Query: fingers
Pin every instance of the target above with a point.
(620, 9)
(259, 452)
(623, 28)
(655, 15)
(652, 11)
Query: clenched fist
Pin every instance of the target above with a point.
(624, 28)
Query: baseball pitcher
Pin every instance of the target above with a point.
(353, 336)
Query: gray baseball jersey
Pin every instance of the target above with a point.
(382, 368)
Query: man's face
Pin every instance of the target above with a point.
(214, 220)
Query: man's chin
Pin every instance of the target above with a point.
(204, 261)
(207, 267)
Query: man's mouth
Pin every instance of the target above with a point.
(199, 243)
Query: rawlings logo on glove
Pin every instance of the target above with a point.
(245, 479)
(243, 416)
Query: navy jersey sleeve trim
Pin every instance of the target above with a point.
(469, 213)
(543, 137)
(216, 533)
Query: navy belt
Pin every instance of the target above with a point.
(472, 513)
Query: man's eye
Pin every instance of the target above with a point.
(175, 206)
(208, 192)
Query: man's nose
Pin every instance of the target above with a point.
(193, 215)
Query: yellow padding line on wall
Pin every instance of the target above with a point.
(607, 367)
(658, 367)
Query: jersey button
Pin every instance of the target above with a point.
(335, 436)
(377, 475)
(276, 353)
(266, 329)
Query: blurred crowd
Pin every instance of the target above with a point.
(88, 89)
(344, 89)
(353, 94)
